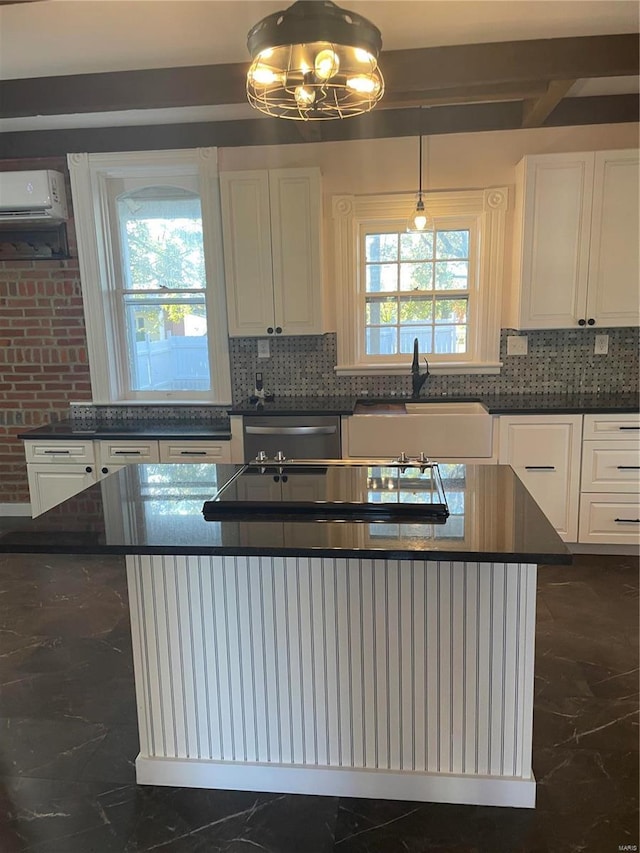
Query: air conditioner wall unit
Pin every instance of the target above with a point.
(32, 197)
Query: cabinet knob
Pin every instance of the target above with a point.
(582, 322)
(105, 470)
(278, 330)
(270, 330)
(88, 469)
(591, 321)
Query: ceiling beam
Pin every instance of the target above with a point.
(447, 71)
(460, 118)
(535, 111)
(465, 95)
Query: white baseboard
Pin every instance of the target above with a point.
(12, 510)
(614, 550)
(338, 782)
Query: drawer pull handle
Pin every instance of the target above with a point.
(293, 430)
(627, 520)
(540, 467)
(55, 452)
(127, 453)
(628, 467)
(193, 453)
(627, 427)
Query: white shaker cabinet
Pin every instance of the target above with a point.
(58, 470)
(610, 489)
(271, 223)
(544, 451)
(576, 240)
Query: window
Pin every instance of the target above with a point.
(149, 243)
(441, 287)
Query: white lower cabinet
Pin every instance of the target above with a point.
(610, 487)
(61, 468)
(544, 451)
(51, 484)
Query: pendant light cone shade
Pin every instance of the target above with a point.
(314, 62)
(419, 219)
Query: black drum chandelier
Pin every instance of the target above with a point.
(314, 61)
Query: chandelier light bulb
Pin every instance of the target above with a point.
(304, 96)
(263, 76)
(326, 64)
(367, 85)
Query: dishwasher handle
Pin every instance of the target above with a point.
(293, 430)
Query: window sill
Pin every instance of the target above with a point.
(439, 369)
(160, 402)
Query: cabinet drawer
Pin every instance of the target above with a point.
(610, 519)
(611, 427)
(195, 451)
(611, 466)
(124, 452)
(59, 451)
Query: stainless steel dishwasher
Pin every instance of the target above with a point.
(295, 436)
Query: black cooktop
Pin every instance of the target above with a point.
(332, 491)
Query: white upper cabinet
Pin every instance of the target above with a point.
(272, 250)
(576, 248)
(614, 276)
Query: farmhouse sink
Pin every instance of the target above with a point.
(427, 408)
(451, 430)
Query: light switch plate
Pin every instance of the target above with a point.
(264, 350)
(517, 345)
(601, 346)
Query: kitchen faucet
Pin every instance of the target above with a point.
(417, 379)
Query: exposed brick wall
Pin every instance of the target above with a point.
(43, 346)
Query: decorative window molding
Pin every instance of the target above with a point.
(481, 211)
(93, 178)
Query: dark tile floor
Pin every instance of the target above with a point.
(68, 735)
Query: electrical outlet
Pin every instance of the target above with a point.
(601, 346)
(517, 344)
(264, 350)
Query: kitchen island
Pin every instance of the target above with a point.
(390, 658)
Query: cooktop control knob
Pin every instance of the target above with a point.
(280, 457)
(261, 457)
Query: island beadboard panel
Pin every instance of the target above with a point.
(405, 680)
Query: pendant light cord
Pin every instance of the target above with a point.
(420, 168)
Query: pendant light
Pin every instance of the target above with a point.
(314, 61)
(419, 219)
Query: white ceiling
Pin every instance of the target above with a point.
(56, 37)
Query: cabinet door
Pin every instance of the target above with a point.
(50, 485)
(544, 451)
(246, 227)
(555, 239)
(613, 264)
(295, 241)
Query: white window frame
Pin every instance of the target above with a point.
(108, 360)
(484, 212)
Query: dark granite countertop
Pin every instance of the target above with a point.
(506, 404)
(297, 406)
(157, 509)
(69, 429)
